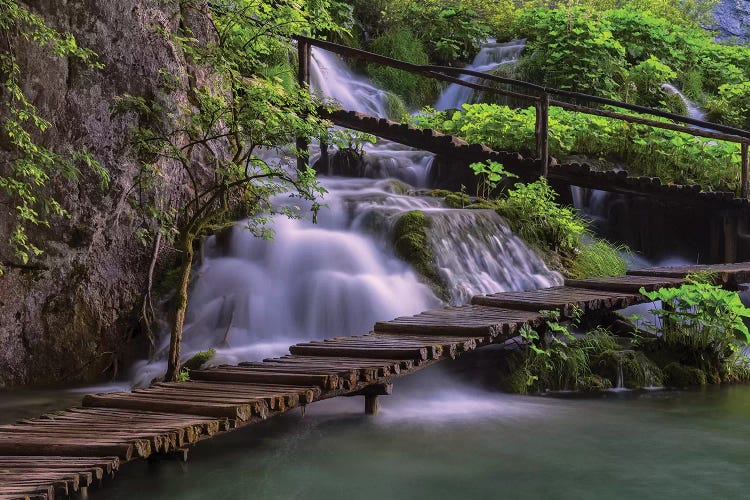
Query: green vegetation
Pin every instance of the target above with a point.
(215, 139)
(533, 214)
(731, 105)
(674, 157)
(198, 359)
(599, 259)
(30, 168)
(700, 325)
(412, 244)
(401, 44)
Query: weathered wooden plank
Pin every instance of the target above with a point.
(630, 284)
(333, 351)
(238, 374)
(132, 402)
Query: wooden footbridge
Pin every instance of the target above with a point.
(540, 163)
(65, 452)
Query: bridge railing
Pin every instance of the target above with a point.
(542, 98)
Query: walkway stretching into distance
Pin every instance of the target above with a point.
(67, 451)
(577, 174)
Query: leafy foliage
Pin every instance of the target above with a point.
(704, 320)
(671, 156)
(732, 105)
(534, 214)
(402, 44)
(571, 49)
(491, 174)
(32, 168)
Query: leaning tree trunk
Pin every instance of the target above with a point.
(175, 340)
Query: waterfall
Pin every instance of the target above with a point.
(251, 298)
(693, 110)
(476, 252)
(330, 77)
(490, 57)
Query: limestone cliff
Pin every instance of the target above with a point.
(733, 20)
(70, 314)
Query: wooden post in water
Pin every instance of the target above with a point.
(745, 165)
(542, 133)
(304, 51)
(371, 393)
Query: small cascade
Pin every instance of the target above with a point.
(332, 78)
(693, 110)
(620, 385)
(490, 57)
(476, 252)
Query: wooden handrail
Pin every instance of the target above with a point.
(543, 100)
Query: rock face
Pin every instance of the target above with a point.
(733, 20)
(70, 314)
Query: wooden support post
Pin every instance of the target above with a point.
(542, 133)
(372, 405)
(371, 393)
(730, 238)
(304, 52)
(745, 167)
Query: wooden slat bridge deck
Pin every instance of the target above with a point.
(65, 452)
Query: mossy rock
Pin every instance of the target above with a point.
(679, 375)
(198, 359)
(395, 109)
(395, 186)
(412, 244)
(458, 200)
(637, 370)
(439, 193)
(593, 383)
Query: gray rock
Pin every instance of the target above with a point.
(733, 20)
(68, 317)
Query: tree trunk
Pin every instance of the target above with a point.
(175, 340)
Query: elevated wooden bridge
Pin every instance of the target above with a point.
(542, 98)
(65, 452)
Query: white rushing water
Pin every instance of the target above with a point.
(693, 110)
(490, 57)
(252, 298)
(330, 77)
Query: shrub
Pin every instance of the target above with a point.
(732, 105)
(702, 325)
(571, 49)
(599, 259)
(533, 213)
(401, 44)
(647, 79)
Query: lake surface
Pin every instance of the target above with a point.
(437, 438)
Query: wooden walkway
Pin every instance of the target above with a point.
(65, 452)
(528, 168)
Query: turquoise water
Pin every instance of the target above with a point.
(437, 438)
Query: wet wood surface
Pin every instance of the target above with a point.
(65, 452)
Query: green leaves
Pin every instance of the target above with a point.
(25, 185)
(701, 315)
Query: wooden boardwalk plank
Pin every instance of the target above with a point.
(61, 452)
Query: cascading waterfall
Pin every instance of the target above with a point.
(252, 298)
(693, 110)
(490, 57)
(330, 77)
(476, 252)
